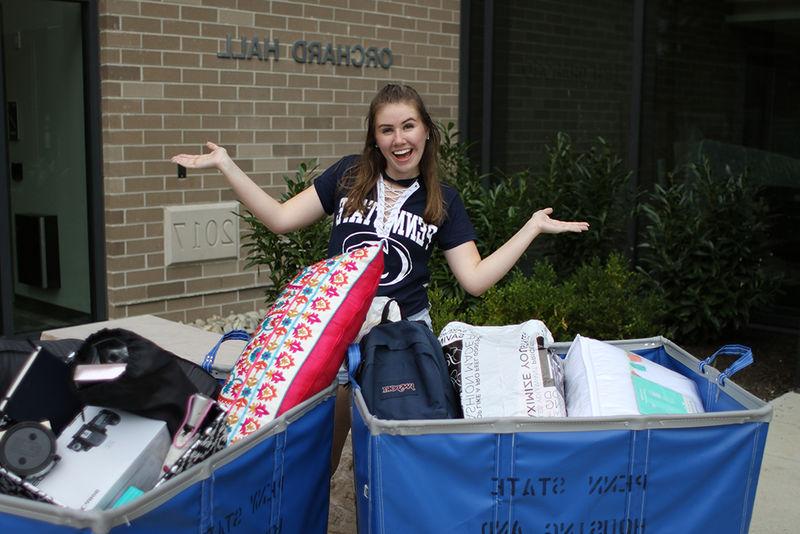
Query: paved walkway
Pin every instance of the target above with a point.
(777, 508)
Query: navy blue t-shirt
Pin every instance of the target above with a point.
(410, 242)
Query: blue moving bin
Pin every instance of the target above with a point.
(275, 481)
(605, 475)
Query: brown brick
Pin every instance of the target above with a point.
(302, 137)
(229, 4)
(108, 22)
(122, 138)
(256, 6)
(217, 299)
(120, 40)
(236, 78)
(348, 16)
(158, 10)
(114, 216)
(201, 14)
(140, 25)
(161, 42)
(121, 7)
(161, 137)
(270, 136)
(121, 105)
(127, 294)
(155, 260)
(154, 230)
(163, 168)
(234, 137)
(200, 45)
(116, 280)
(217, 122)
(236, 108)
(141, 57)
(155, 106)
(199, 76)
(181, 91)
(166, 198)
(135, 185)
(181, 59)
(145, 308)
(125, 232)
(127, 168)
(124, 263)
(142, 122)
(181, 28)
(287, 150)
(197, 107)
(148, 276)
(182, 271)
(146, 215)
(272, 21)
(251, 123)
(199, 197)
(291, 9)
(220, 31)
(184, 303)
(217, 92)
(143, 246)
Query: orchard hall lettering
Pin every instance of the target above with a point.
(308, 52)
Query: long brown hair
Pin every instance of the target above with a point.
(366, 172)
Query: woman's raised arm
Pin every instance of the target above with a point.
(298, 212)
(476, 275)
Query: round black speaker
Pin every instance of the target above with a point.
(28, 449)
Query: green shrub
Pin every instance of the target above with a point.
(497, 206)
(285, 255)
(704, 248)
(591, 185)
(604, 300)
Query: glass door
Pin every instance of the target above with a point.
(47, 247)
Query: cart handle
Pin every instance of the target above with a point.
(353, 361)
(239, 335)
(745, 358)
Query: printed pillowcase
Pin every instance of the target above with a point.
(300, 345)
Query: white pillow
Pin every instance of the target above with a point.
(603, 380)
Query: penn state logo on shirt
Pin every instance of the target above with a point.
(397, 263)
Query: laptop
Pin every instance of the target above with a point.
(43, 390)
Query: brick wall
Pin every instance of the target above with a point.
(166, 91)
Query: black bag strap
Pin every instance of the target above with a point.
(386, 310)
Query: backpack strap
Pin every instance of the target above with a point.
(353, 361)
(387, 308)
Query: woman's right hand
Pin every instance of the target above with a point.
(214, 159)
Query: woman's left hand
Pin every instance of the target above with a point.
(543, 224)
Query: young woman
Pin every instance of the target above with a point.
(390, 191)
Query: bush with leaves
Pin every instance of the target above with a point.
(591, 185)
(497, 206)
(704, 247)
(604, 300)
(285, 255)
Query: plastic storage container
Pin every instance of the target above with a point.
(641, 474)
(275, 481)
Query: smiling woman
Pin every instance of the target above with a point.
(390, 193)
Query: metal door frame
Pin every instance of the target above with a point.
(94, 176)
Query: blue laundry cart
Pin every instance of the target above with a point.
(641, 474)
(275, 481)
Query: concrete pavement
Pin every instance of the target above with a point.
(777, 508)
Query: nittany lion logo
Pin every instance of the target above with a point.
(397, 259)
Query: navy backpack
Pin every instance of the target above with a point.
(403, 373)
